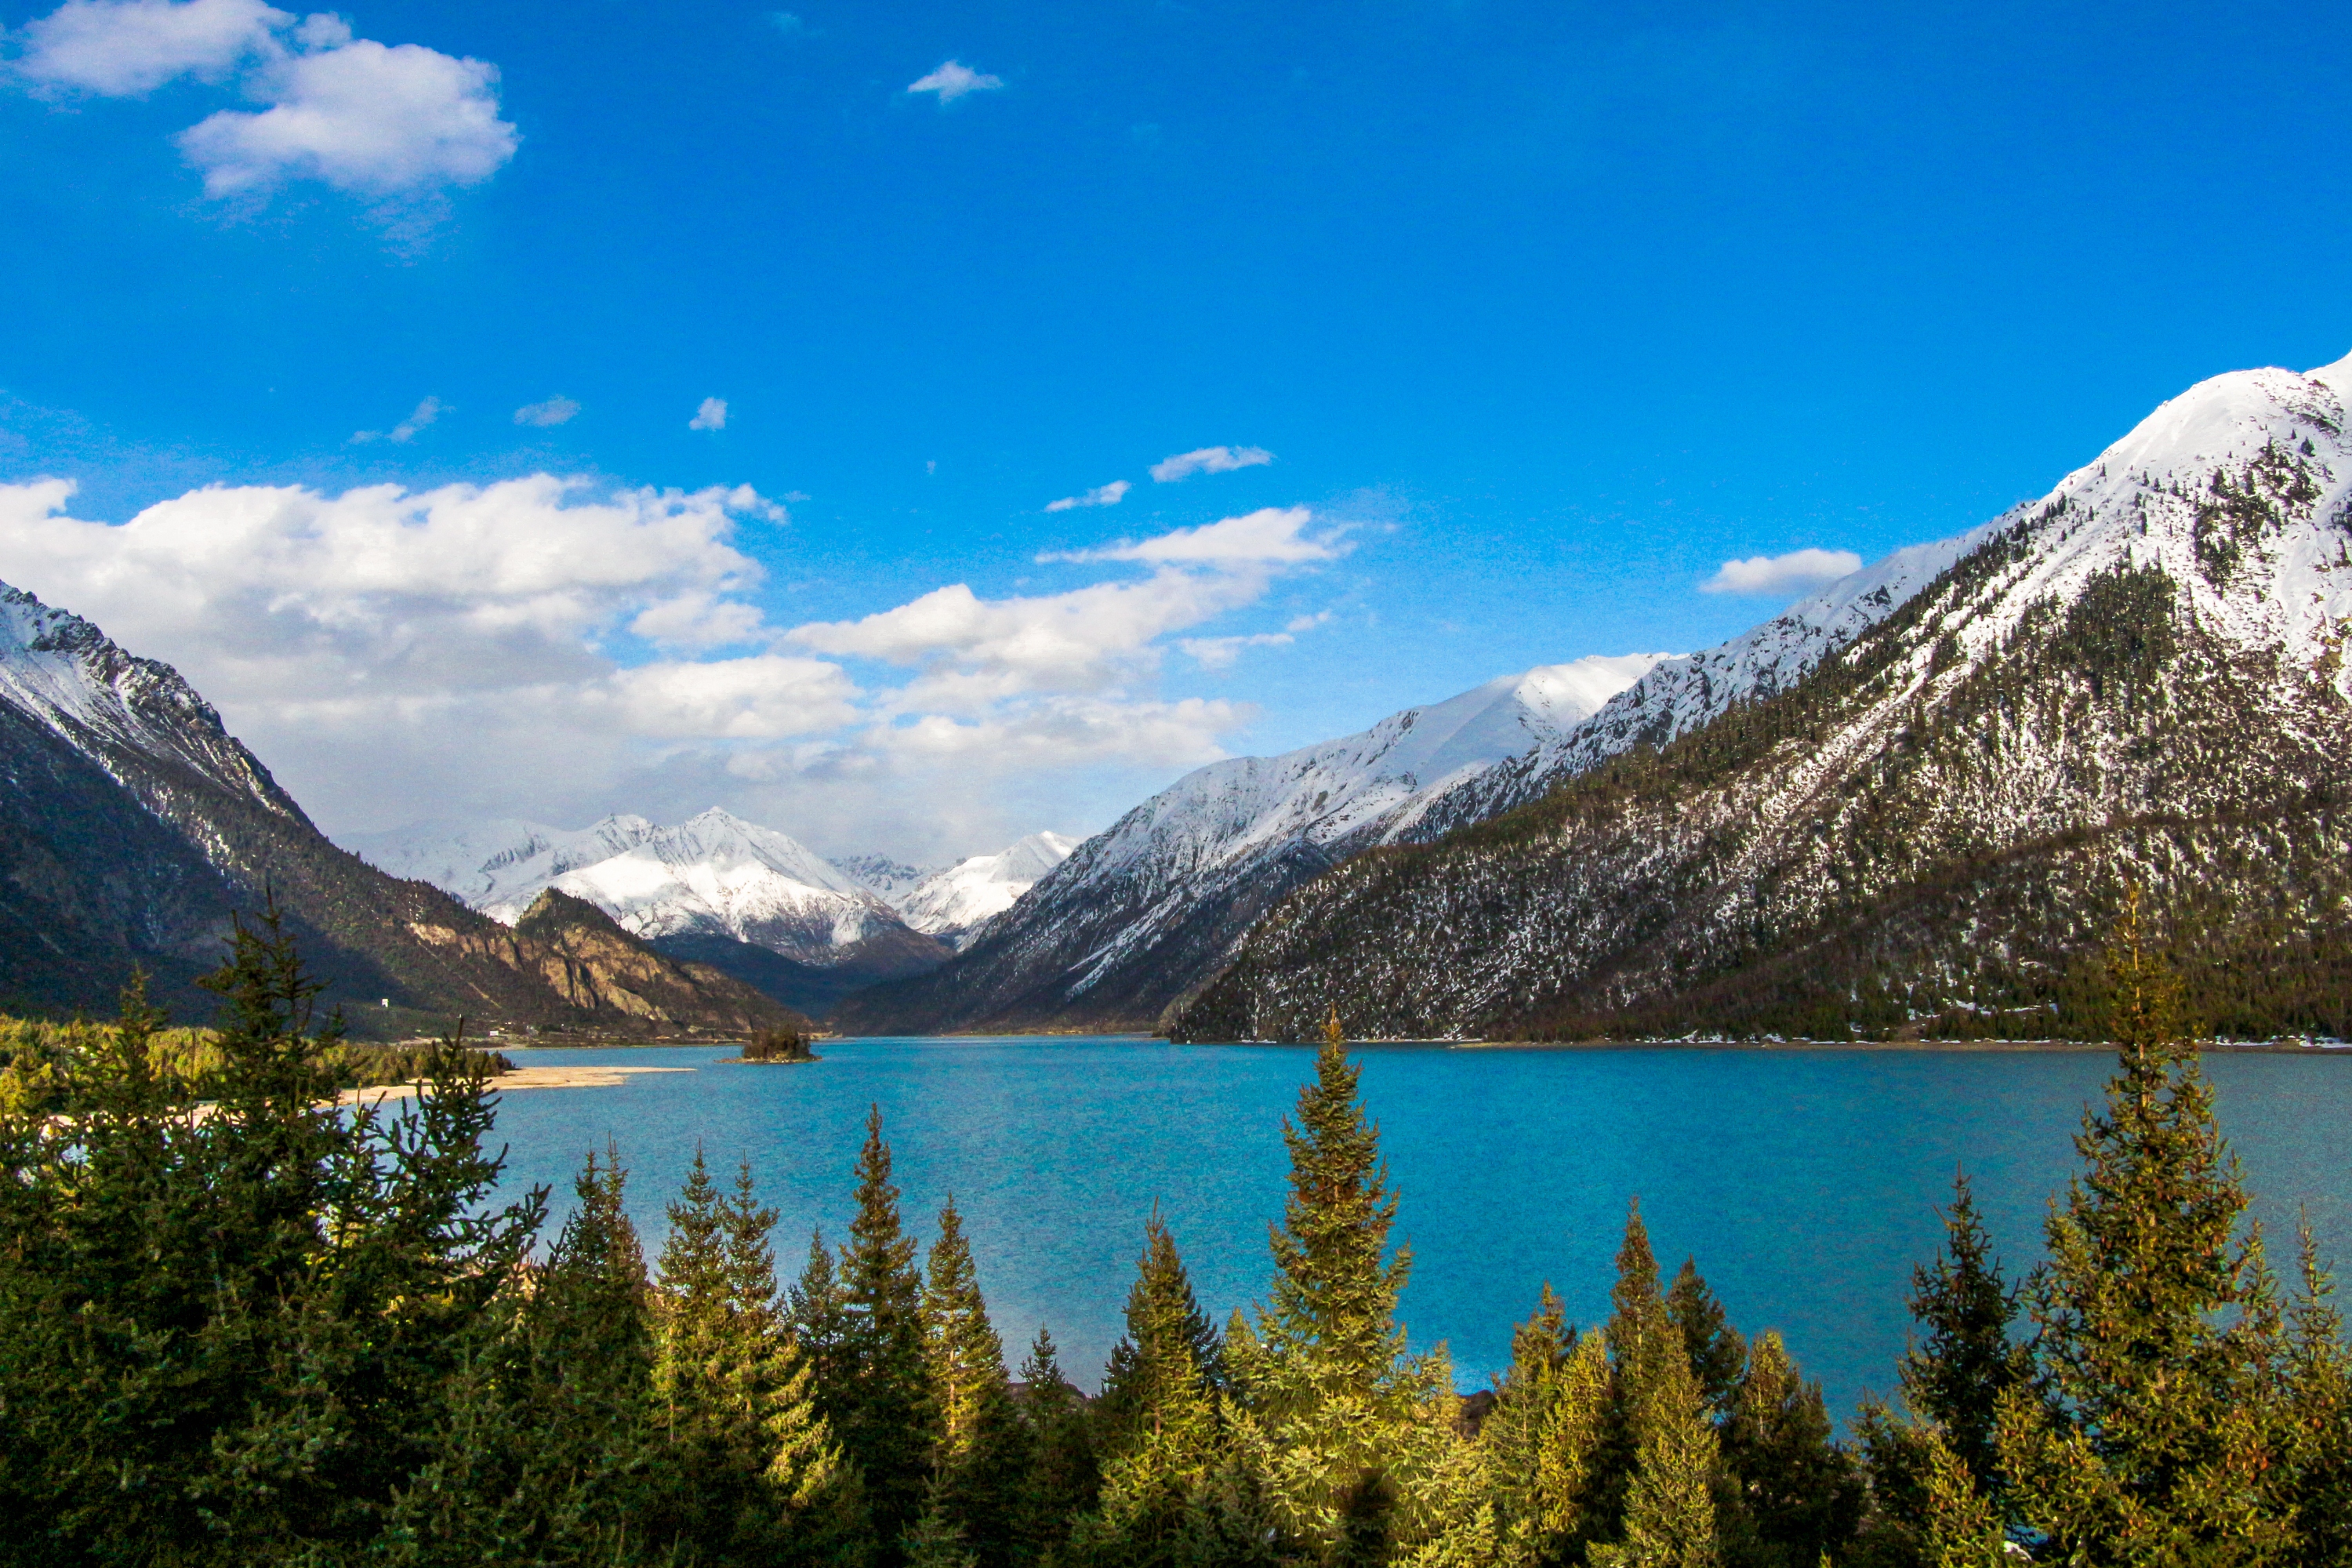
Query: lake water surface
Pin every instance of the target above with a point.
(1804, 1182)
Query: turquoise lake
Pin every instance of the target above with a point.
(1803, 1182)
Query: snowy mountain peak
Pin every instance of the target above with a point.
(712, 875)
(952, 903)
(78, 683)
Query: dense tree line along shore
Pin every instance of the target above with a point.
(266, 1330)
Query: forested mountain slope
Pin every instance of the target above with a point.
(132, 826)
(2139, 679)
(1138, 913)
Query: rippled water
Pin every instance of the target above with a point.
(1803, 1181)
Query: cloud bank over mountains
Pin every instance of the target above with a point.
(551, 646)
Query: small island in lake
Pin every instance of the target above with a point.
(774, 1045)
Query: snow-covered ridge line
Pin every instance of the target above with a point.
(71, 677)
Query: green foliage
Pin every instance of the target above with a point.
(778, 1046)
(2155, 1436)
(1717, 1354)
(1347, 1433)
(254, 1328)
(226, 1334)
(881, 1405)
(1157, 1421)
(1957, 1374)
(1799, 1495)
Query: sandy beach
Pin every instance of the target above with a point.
(520, 1077)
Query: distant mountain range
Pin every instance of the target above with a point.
(133, 828)
(747, 899)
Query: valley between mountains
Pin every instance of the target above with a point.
(1912, 805)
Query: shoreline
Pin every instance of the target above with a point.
(519, 1078)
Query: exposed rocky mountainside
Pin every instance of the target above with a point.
(715, 889)
(132, 826)
(601, 969)
(1138, 913)
(2137, 681)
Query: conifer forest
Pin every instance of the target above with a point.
(239, 1325)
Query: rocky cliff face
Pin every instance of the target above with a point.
(2138, 680)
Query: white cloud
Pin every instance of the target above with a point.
(1209, 460)
(364, 118)
(711, 415)
(1271, 535)
(1102, 495)
(424, 414)
(557, 410)
(954, 79)
(1793, 573)
(483, 650)
(766, 697)
(1219, 653)
(118, 48)
(377, 120)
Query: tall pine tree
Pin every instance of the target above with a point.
(1065, 1472)
(981, 1465)
(1964, 1360)
(883, 1412)
(2162, 1438)
(1157, 1418)
(1349, 1434)
(1799, 1495)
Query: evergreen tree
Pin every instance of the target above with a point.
(228, 1335)
(1156, 1420)
(885, 1417)
(590, 1424)
(1799, 1495)
(1670, 1515)
(1718, 1353)
(818, 1318)
(750, 1460)
(2161, 1439)
(1065, 1474)
(1964, 1362)
(1541, 1439)
(2319, 1404)
(1644, 1346)
(1960, 1527)
(982, 1461)
(1334, 1416)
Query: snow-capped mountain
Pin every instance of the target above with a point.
(894, 880)
(1139, 912)
(713, 875)
(954, 902)
(107, 704)
(133, 828)
(1917, 800)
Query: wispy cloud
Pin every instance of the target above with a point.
(1773, 575)
(953, 80)
(1209, 460)
(711, 415)
(1101, 495)
(1270, 535)
(424, 414)
(557, 410)
(1219, 653)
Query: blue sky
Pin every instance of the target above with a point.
(1540, 312)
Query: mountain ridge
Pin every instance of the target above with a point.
(2137, 681)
